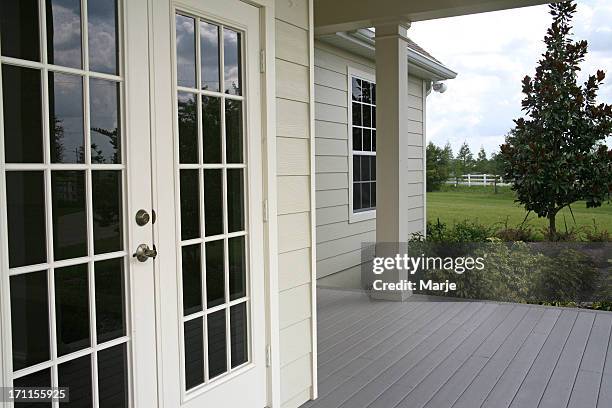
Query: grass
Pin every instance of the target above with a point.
(480, 204)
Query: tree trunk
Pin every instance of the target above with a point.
(552, 226)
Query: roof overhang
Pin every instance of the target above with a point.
(361, 42)
(333, 16)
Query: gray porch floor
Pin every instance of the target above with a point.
(460, 354)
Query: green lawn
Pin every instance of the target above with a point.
(482, 205)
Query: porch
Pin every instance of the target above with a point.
(432, 354)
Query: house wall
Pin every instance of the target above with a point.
(294, 170)
(339, 240)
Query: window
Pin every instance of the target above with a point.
(363, 140)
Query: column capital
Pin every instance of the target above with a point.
(397, 28)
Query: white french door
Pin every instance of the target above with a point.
(78, 310)
(208, 190)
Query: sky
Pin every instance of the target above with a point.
(492, 52)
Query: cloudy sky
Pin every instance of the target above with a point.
(492, 52)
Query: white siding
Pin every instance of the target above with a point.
(293, 142)
(338, 240)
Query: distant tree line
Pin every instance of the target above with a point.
(443, 164)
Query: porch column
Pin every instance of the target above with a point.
(392, 147)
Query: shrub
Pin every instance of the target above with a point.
(464, 231)
(596, 235)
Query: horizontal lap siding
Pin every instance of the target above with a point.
(293, 200)
(339, 241)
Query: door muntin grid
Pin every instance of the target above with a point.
(211, 179)
(63, 175)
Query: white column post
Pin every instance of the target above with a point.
(392, 148)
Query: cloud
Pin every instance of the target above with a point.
(492, 52)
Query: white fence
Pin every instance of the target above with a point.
(477, 180)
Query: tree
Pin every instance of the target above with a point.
(437, 167)
(482, 163)
(464, 161)
(556, 155)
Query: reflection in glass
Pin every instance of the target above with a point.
(232, 61)
(113, 377)
(209, 50)
(66, 118)
(215, 277)
(235, 200)
(25, 194)
(188, 128)
(356, 114)
(233, 131)
(237, 268)
(110, 299)
(211, 129)
(102, 35)
(104, 121)
(217, 350)
(72, 308)
(76, 375)
(192, 279)
(190, 204)
(194, 352)
(69, 216)
(37, 379)
(20, 40)
(29, 319)
(213, 202)
(22, 106)
(238, 334)
(185, 51)
(107, 214)
(64, 33)
(356, 89)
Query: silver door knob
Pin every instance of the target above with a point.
(143, 252)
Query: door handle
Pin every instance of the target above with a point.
(143, 252)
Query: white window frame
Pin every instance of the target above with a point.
(353, 72)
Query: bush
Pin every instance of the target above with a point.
(596, 235)
(464, 231)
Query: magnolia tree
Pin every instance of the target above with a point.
(557, 155)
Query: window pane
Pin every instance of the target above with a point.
(192, 279)
(76, 375)
(25, 194)
(19, 29)
(188, 128)
(104, 121)
(66, 118)
(232, 61)
(113, 377)
(107, 214)
(215, 277)
(356, 89)
(357, 141)
(213, 202)
(367, 140)
(22, 106)
(190, 204)
(373, 140)
(367, 115)
(110, 299)
(374, 117)
(237, 268)
(235, 200)
(69, 216)
(185, 51)
(373, 194)
(356, 167)
(29, 319)
(356, 196)
(366, 95)
(64, 33)
(233, 131)
(194, 352)
(72, 309)
(103, 36)
(356, 114)
(209, 50)
(217, 350)
(365, 195)
(372, 167)
(211, 129)
(365, 168)
(373, 90)
(37, 379)
(238, 333)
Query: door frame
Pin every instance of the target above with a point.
(163, 175)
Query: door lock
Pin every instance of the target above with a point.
(143, 252)
(142, 218)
